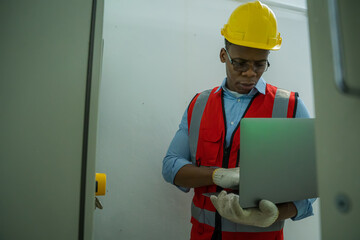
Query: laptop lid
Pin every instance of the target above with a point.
(277, 160)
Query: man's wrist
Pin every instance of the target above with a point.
(286, 210)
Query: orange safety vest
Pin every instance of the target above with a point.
(207, 128)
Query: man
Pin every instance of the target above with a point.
(204, 152)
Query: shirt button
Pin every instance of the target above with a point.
(238, 100)
(232, 123)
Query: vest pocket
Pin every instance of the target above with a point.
(210, 147)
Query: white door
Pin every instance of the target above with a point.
(49, 76)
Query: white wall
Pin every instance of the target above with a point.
(157, 55)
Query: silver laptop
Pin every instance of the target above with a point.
(277, 160)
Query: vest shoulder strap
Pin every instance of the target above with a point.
(281, 103)
(197, 113)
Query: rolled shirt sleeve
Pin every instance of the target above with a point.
(178, 154)
(304, 208)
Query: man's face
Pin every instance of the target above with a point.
(240, 79)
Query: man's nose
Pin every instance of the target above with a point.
(250, 72)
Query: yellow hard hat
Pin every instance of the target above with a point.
(253, 25)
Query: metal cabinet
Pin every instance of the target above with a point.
(335, 48)
(49, 76)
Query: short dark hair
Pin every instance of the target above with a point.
(227, 43)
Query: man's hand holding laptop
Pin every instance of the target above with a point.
(229, 207)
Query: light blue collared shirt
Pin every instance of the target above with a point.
(178, 154)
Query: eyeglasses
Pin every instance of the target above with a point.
(243, 65)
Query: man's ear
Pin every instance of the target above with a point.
(223, 55)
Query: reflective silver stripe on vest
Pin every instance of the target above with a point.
(281, 103)
(197, 113)
(208, 217)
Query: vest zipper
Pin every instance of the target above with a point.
(226, 156)
(217, 234)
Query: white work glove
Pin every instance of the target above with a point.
(227, 177)
(229, 207)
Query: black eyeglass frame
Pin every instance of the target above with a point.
(245, 66)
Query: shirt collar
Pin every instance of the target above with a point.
(259, 87)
